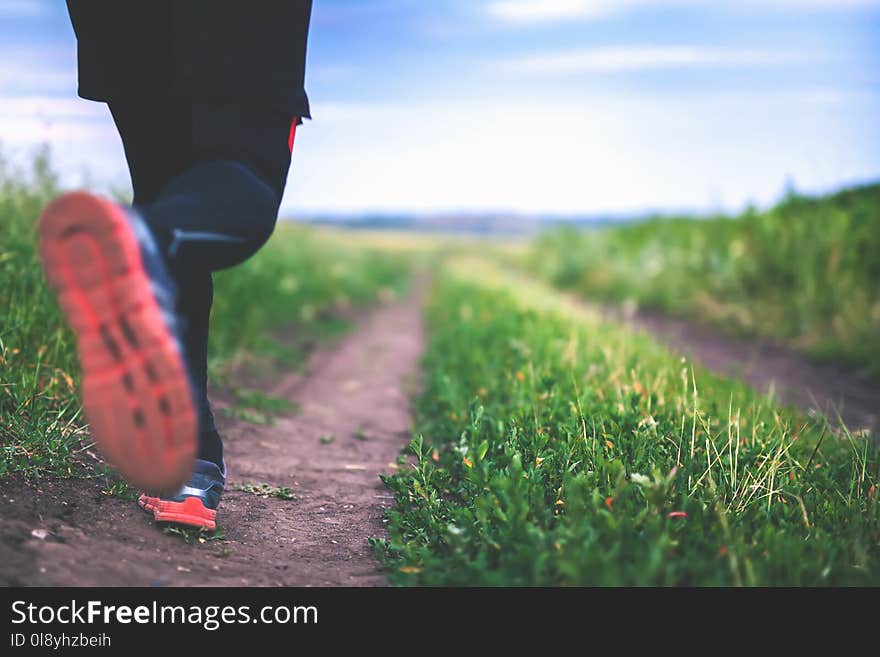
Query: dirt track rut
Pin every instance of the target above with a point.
(794, 377)
(67, 532)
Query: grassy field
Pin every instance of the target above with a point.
(554, 448)
(303, 278)
(806, 271)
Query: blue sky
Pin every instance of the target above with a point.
(531, 106)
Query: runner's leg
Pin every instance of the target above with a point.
(208, 179)
(222, 209)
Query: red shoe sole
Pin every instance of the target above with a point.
(134, 387)
(190, 512)
(147, 503)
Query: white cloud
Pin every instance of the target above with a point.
(825, 4)
(51, 108)
(81, 136)
(534, 11)
(29, 131)
(617, 59)
(55, 121)
(17, 80)
(550, 10)
(597, 152)
(27, 70)
(25, 8)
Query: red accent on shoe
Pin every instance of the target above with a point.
(135, 388)
(147, 502)
(191, 512)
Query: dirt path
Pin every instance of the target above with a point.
(67, 532)
(795, 378)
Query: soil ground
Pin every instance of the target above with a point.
(795, 378)
(352, 423)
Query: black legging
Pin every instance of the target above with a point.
(208, 179)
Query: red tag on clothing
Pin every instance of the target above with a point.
(292, 133)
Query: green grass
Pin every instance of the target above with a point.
(120, 489)
(557, 449)
(40, 418)
(302, 282)
(267, 490)
(806, 271)
(257, 407)
(554, 447)
(192, 536)
(302, 279)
